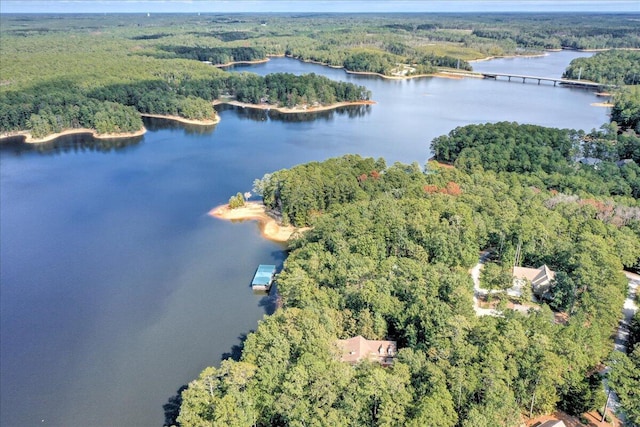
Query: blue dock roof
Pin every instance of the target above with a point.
(264, 274)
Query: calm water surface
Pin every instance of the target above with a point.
(117, 288)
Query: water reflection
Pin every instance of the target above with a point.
(259, 115)
(84, 142)
(155, 124)
(76, 143)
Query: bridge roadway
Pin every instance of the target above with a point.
(568, 82)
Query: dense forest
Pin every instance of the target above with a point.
(548, 157)
(50, 108)
(616, 67)
(388, 258)
(626, 108)
(100, 70)
(620, 68)
(217, 55)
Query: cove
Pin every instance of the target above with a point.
(117, 287)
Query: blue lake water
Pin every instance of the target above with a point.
(117, 288)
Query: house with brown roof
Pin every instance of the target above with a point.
(358, 348)
(540, 278)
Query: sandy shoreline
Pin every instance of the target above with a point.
(442, 74)
(533, 55)
(286, 110)
(269, 227)
(229, 64)
(602, 104)
(255, 61)
(546, 52)
(384, 76)
(29, 139)
(208, 122)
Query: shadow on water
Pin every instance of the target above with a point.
(270, 299)
(236, 350)
(84, 142)
(269, 302)
(172, 408)
(259, 115)
(69, 144)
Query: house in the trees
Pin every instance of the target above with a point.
(540, 279)
(553, 423)
(590, 161)
(623, 162)
(358, 348)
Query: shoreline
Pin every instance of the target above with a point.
(229, 64)
(438, 74)
(547, 51)
(286, 110)
(531, 55)
(29, 139)
(441, 74)
(208, 122)
(256, 211)
(255, 61)
(371, 73)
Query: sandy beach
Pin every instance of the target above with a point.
(208, 122)
(256, 211)
(297, 109)
(602, 104)
(228, 64)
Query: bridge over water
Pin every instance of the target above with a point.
(566, 82)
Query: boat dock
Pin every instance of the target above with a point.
(263, 278)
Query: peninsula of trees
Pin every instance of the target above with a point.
(388, 257)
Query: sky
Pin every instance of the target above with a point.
(382, 6)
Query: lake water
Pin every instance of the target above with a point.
(117, 288)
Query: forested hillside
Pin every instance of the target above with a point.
(626, 108)
(548, 157)
(388, 258)
(621, 69)
(616, 67)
